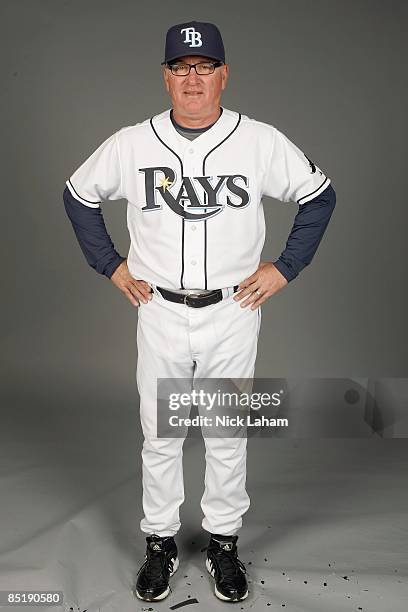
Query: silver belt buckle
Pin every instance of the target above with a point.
(192, 294)
(188, 295)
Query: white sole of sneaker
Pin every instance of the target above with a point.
(216, 591)
(176, 563)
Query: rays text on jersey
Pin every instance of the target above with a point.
(182, 197)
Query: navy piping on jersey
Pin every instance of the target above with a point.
(309, 194)
(182, 226)
(79, 196)
(205, 196)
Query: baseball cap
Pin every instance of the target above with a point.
(194, 38)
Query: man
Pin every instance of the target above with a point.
(194, 177)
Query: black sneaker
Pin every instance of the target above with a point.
(161, 562)
(229, 572)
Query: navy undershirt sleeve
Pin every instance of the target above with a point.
(308, 228)
(94, 240)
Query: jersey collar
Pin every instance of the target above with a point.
(205, 142)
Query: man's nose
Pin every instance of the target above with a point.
(193, 76)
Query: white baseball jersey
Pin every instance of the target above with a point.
(195, 213)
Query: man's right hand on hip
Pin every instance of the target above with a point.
(134, 289)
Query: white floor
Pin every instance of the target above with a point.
(327, 529)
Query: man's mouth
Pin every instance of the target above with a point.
(193, 93)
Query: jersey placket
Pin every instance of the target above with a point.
(194, 231)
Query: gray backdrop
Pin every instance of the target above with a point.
(328, 74)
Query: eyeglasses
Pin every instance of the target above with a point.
(181, 69)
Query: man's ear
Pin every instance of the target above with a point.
(166, 78)
(224, 76)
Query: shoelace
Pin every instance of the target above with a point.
(229, 563)
(156, 563)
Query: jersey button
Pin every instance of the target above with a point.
(193, 262)
(193, 228)
(191, 150)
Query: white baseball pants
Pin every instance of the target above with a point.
(177, 341)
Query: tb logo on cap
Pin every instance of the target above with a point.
(192, 36)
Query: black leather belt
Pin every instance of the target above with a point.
(197, 300)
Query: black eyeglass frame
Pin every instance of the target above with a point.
(216, 64)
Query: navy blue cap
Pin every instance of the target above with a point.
(194, 38)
